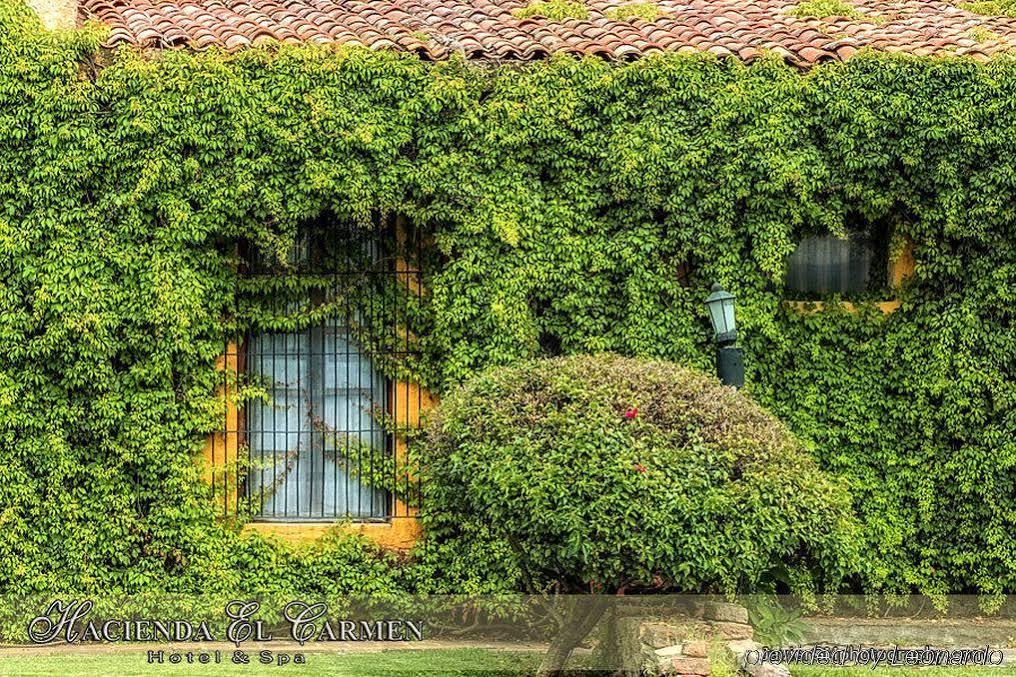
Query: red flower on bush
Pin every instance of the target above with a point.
(631, 413)
(639, 468)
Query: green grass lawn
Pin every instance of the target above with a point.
(405, 662)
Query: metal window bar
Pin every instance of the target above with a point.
(322, 446)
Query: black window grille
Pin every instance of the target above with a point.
(316, 428)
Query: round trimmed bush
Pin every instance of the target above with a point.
(605, 473)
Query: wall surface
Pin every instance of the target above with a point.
(573, 206)
(56, 14)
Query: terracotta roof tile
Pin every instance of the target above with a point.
(486, 29)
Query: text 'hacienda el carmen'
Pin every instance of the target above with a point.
(69, 622)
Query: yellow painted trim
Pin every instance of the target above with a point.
(818, 306)
(903, 265)
(220, 453)
(400, 533)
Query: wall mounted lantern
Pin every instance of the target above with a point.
(730, 359)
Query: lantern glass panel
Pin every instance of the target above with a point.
(728, 315)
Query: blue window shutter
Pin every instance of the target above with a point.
(307, 442)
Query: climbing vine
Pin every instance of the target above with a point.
(569, 205)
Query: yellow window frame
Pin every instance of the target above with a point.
(407, 402)
(900, 268)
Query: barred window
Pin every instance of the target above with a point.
(314, 440)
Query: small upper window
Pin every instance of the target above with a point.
(826, 264)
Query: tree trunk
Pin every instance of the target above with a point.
(610, 651)
(581, 619)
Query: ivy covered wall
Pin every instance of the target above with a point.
(574, 206)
